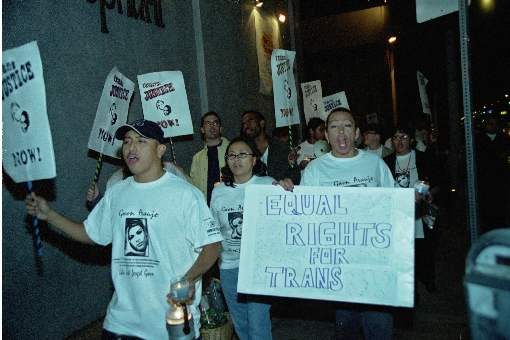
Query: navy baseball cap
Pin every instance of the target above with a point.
(143, 127)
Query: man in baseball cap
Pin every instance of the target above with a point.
(176, 236)
(143, 127)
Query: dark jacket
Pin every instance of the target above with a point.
(278, 164)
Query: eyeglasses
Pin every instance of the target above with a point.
(402, 138)
(242, 155)
(213, 123)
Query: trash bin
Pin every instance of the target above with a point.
(487, 286)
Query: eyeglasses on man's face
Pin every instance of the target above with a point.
(212, 123)
(401, 137)
(241, 155)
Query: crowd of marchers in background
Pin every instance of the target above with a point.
(200, 210)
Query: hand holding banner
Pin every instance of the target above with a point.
(284, 88)
(165, 102)
(112, 112)
(329, 243)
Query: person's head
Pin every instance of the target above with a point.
(253, 124)
(142, 149)
(372, 136)
(341, 133)
(210, 126)
(315, 129)
(402, 140)
(242, 160)
(136, 234)
(281, 133)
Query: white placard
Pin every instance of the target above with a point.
(267, 36)
(112, 112)
(164, 101)
(312, 100)
(422, 88)
(334, 101)
(27, 145)
(341, 244)
(284, 88)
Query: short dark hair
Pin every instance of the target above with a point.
(257, 114)
(259, 169)
(404, 128)
(343, 109)
(207, 114)
(314, 123)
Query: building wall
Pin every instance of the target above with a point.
(70, 286)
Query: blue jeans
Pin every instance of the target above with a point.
(375, 324)
(250, 314)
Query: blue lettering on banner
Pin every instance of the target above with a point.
(302, 204)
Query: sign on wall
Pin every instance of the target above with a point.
(284, 88)
(312, 100)
(334, 101)
(267, 35)
(165, 102)
(112, 112)
(27, 145)
(341, 244)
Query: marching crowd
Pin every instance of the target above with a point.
(165, 224)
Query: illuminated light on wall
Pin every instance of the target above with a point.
(503, 113)
(453, 190)
(282, 18)
(258, 3)
(392, 39)
(487, 5)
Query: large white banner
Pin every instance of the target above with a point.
(341, 244)
(334, 101)
(422, 88)
(164, 101)
(312, 100)
(27, 145)
(286, 108)
(112, 112)
(267, 36)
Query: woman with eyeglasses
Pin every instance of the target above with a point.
(250, 314)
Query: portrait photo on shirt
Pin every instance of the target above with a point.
(235, 220)
(137, 237)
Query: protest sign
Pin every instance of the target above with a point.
(422, 88)
(27, 145)
(341, 244)
(312, 100)
(112, 112)
(164, 101)
(267, 36)
(284, 88)
(334, 101)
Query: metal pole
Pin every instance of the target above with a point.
(468, 128)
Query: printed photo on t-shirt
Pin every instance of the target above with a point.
(235, 220)
(137, 237)
(403, 178)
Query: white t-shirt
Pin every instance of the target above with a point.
(377, 151)
(363, 170)
(406, 176)
(118, 175)
(227, 208)
(156, 230)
